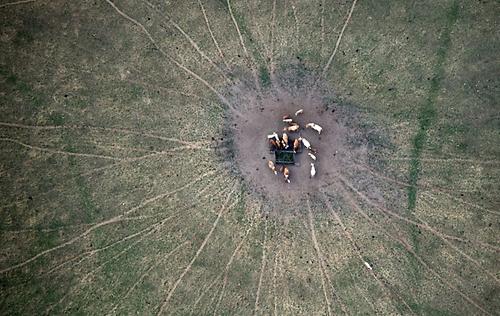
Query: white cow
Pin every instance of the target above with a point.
(315, 127)
(274, 135)
(313, 170)
(306, 143)
(287, 119)
(367, 265)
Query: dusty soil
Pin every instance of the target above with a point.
(257, 116)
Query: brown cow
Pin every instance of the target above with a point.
(286, 173)
(273, 144)
(292, 128)
(285, 140)
(296, 145)
(271, 166)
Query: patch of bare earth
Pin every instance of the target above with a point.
(255, 116)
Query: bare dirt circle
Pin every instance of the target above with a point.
(260, 114)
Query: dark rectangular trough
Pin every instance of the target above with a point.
(284, 157)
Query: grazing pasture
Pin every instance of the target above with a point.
(134, 173)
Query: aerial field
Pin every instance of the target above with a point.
(133, 157)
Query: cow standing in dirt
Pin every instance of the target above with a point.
(271, 166)
(286, 173)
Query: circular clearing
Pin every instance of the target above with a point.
(257, 115)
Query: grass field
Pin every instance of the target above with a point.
(121, 190)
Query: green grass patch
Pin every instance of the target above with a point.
(13, 82)
(426, 117)
(252, 44)
(423, 309)
(265, 78)
(56, 118)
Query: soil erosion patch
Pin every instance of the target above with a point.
(254, 118)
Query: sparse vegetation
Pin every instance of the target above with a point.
(121, 184)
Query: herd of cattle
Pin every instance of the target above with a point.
(285, 142)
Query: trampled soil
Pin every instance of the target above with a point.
(255, 118)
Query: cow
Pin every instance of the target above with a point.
(299, 112)
(312, 156)
(306, 143)
(315, 127)
(271, 166)
(367, 265)
(288, 120)
(280, 144)
(285, 140)
(292, 128)
(296, 145)
(286, 173)
(313, 170)
(274, 135)
(274, 144)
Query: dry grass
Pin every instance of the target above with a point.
(120, 192)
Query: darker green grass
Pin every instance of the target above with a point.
(23, 36)
(264, 75)
(90, 211)
(422, 309)
(136, 92)
(56, 118)
(265, 78)
(239, 209)
(15, 84)
(426, 118)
